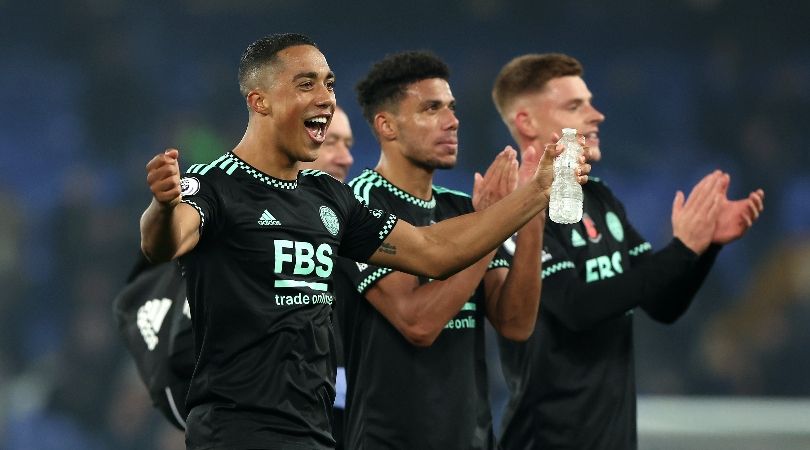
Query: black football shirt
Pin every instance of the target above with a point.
(153, 317)
(260, 291)
(401, 396)
(575, 389)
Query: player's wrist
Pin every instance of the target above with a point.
(165, 208)
(690, 245)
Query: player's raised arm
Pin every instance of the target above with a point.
(444, 248)
(168, 228)
(420, 311)
(513, 295)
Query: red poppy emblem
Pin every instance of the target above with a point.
(590, 227)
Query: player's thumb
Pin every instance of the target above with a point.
(677, 203)
(551, 152)
(172, 153)
(724, 182)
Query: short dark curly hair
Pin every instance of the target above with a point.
(263, 52)
(385, 84)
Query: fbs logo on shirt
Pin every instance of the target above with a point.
(268, 219)
(297, 259)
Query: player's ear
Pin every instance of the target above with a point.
(385, 126)
(258, 102)
(524, 124)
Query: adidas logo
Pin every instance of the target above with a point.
(186, 309)
(576, 239)
(150, 319)
(268, 219)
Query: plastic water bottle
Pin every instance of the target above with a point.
(565, 204)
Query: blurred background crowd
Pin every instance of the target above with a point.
(91, 89)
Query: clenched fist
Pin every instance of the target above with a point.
(163, 177)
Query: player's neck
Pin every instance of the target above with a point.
(257, 150)
(407, 176)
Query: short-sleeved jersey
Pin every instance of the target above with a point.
(401, 396)
(259, 287)
(576, 390)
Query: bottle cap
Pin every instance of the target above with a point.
(569, 131)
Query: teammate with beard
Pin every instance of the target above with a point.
(415, 347)
(573, 383)
(257, 238)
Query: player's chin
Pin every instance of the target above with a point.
(445, 162)
(309, 154)
(444, 165)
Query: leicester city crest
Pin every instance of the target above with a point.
(615, 225)
(330, 220)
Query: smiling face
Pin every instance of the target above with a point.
(564, 102)
(301, 101)
(335, 156)
(427, 127)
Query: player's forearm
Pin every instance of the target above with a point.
(582, 306)
(425, 312)
(160, 233)
(513, 310)
(674, 303)
(459, 241)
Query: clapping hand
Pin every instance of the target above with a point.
(737, 216)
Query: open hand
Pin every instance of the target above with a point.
(529, 159)
(737, 216)
(694, 219)
(500, 180)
